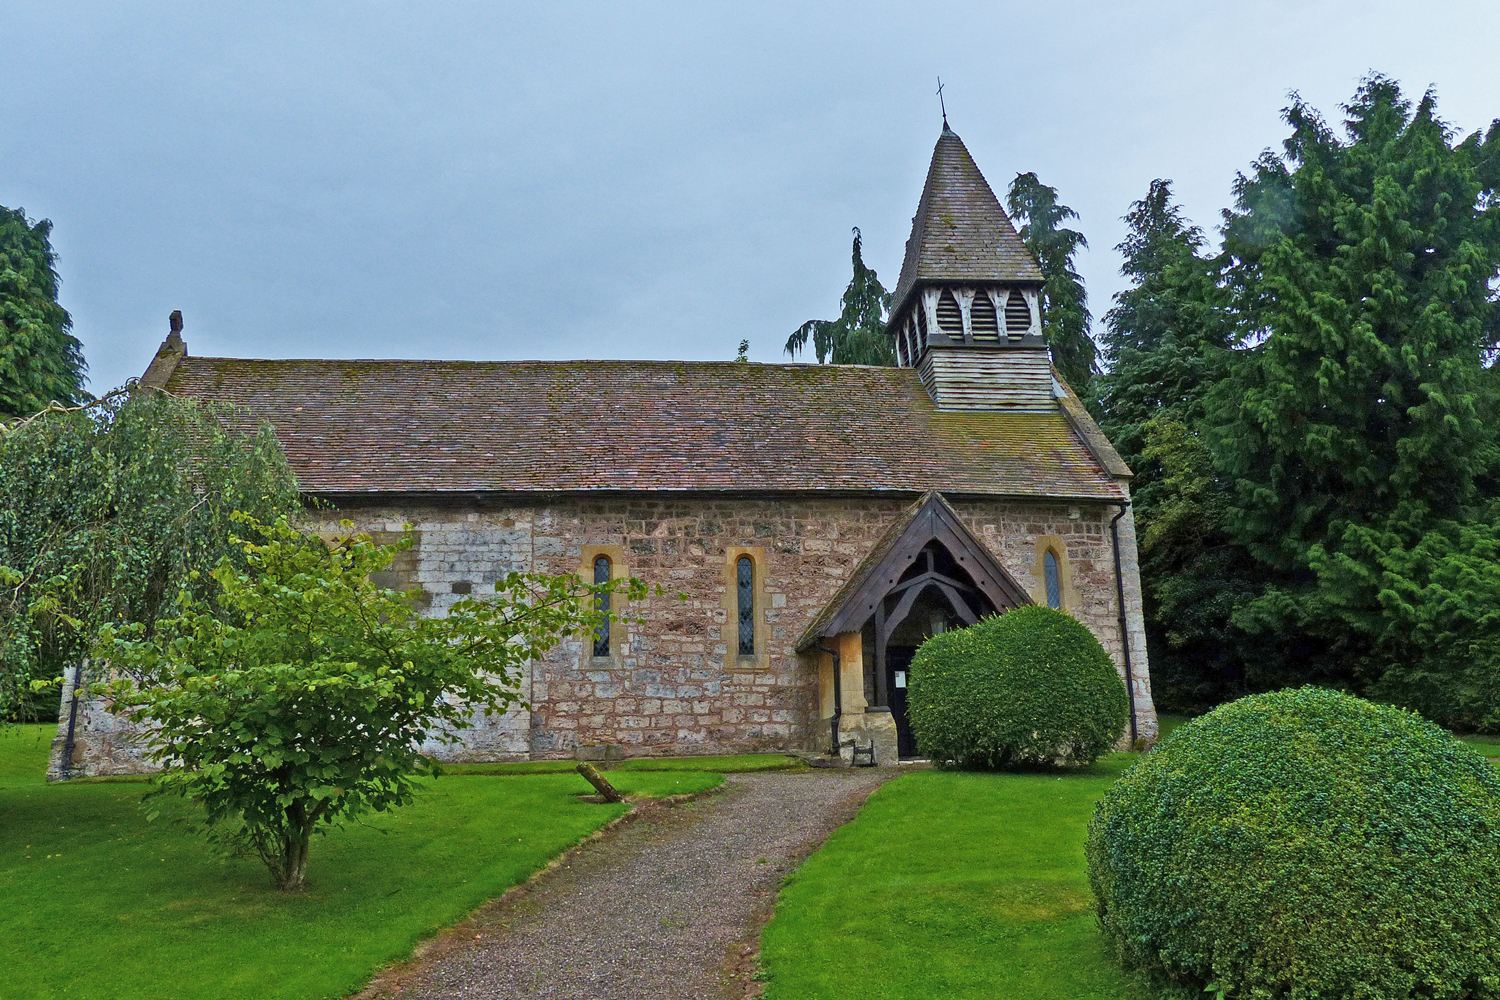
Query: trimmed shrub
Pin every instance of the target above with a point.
(1304, 844)
(1031, 686)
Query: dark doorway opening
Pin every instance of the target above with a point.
(934, 593)
(898, 663)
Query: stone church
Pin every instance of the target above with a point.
(823, 520)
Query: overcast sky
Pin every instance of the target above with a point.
(623, 181)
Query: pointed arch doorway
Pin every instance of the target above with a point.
(933, 595)
(927, 574)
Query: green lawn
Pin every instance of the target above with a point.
(950, 885)
(1487, 745)
(740, 764)
(97, 904)
(23, 753)
(1168, 724)
(720, 765)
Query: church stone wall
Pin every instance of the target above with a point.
(674, 682)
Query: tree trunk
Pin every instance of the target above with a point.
(291, 873)
(290, 869)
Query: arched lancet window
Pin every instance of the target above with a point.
(1054, 579)
(744, 576)
(602, 574)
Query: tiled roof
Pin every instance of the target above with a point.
(960, 232)
(542, 426)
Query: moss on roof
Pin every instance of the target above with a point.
(434, 426)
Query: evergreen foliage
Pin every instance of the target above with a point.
(1065, 312)
(1167, 341)
(1304, 843)
(107, 510)
(301, 697)
(40, 361)
(1440, 633)
(858, 336)
(1030, 686)
(1311, 416)
(1195, 576)
(1359, 419)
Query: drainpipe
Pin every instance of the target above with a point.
(68, 744)
(838, 699)
(1114, 531)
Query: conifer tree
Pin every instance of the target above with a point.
(1166, 338)
(1065, 314)
(858, 336)
(1359, 418)
(40, 361)
(1166, 341)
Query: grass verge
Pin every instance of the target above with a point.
(100, 904)
(1487, 745)
(953, 885)
(740, 764)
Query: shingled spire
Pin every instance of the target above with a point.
(967, 310)
(960, 232)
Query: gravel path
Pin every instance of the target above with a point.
(666, 906)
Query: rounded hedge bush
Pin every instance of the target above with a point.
(1304, 844)
(1030, 686)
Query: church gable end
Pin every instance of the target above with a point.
(929, 520)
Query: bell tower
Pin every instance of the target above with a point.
(968, 309)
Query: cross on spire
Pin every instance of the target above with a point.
(941, 103)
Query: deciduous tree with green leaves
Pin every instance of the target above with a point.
(40, 361)
(301, 696)
(858, 336)
(107, 510)
(1065, 312)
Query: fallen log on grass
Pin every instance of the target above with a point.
(610, 793)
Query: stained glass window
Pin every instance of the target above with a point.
(745, 578)
(601, 602)
(1054, 583)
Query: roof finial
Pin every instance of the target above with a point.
(943, 105)
(174, 340)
